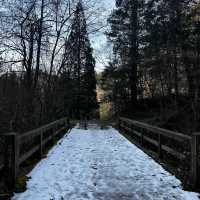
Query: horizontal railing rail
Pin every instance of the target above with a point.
(20, 147)
(157, 137)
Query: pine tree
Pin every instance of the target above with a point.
(89, 84)
(124, 34)
(81, 64)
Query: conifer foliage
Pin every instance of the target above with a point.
(81, 65)
(47, 69)
(155, 60)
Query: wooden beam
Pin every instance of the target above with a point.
(194, 160)
(166, 148)
(11, 158)
(44, 128)
(156, 130)
(1, 166)
(14, 142)
(160, 146)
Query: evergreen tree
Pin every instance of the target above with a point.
(89, 84)
(155, 55)
(80, 63)
(125, 35)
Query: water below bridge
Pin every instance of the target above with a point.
(99, 164)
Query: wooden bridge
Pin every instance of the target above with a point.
(20, 147)
(183, 147)
(100, 155)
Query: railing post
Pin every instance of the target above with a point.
(54, 129)
(41, 144)
(85, 124)
(142, 138)
(160, 146)
(119, 123)
(17, 154)
(68, 124)
(12, 159)
(194, 160)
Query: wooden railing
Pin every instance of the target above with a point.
(20, 147)
(158, 136)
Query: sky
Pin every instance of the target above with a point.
(102, 49)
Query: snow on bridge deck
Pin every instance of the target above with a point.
(100, 165)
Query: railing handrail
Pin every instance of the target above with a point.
(36, 130)
(8, 133)
(15, 142)
(158, 130)
(192, 140)
(43, 128)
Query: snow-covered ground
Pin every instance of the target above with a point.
(100, 165)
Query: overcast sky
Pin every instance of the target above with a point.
(102, 49)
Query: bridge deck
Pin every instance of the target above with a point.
(100, 165)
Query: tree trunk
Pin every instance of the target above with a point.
(39, 43)
(134, 51)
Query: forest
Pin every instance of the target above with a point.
(154, 71)
(47, 65)
(100, 70)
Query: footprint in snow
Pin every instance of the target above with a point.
(95, 168)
